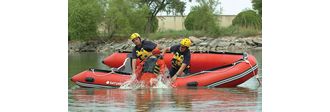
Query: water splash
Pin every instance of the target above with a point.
(132, 84)
(159, 82)
(75, 87)
(163, 83)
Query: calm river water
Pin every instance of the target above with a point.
(247, 97)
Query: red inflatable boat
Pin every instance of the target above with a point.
(210, 69)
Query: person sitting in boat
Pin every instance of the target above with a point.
(181, 58)
(142, 50)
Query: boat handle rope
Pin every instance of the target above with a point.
(245, 59)
(254, 74)
(233, 65)
(94, 72)
(103, 74)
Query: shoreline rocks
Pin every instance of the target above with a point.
(199, 44)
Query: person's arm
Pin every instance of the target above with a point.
(165, 50)
(133, 63)
(133, 66)
(157, 47)
(169, 49)
(180, 71)
(133, 77)
(186, 62)
(156, 51)
(150, 46)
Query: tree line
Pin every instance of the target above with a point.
(107, 18)
(116, 17)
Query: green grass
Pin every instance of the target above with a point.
(222, 32)
(175, 34)
(227, 31)
(246, 32)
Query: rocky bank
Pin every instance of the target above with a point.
(199, 44)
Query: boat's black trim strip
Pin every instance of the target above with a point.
(124, 51)
(95, 85)
(99, 70)
(215, 52)
(209, 52)
(235, 77)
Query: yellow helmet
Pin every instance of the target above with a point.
(185, 42)
(134, 35)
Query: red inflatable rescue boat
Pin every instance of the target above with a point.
(209, 69)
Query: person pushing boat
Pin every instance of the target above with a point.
(143, 50)
(181, 59)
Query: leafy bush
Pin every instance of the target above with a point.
(257, 5)
(124, 18)
(248, 19)
(107, 18)
(84, 18)
(201, 18)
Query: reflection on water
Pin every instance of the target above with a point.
(246, 97)
(83, 61)
(175, 99)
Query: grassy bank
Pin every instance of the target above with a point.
(229, 31)
(222, 32)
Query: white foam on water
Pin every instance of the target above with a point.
(158, 82)
(163, 83)
(132, 84)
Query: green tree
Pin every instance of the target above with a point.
(248, 19)
(202, 17)
(156, 6)
(84, 18)
(257, 5)
(123, 17)
(176, 7)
